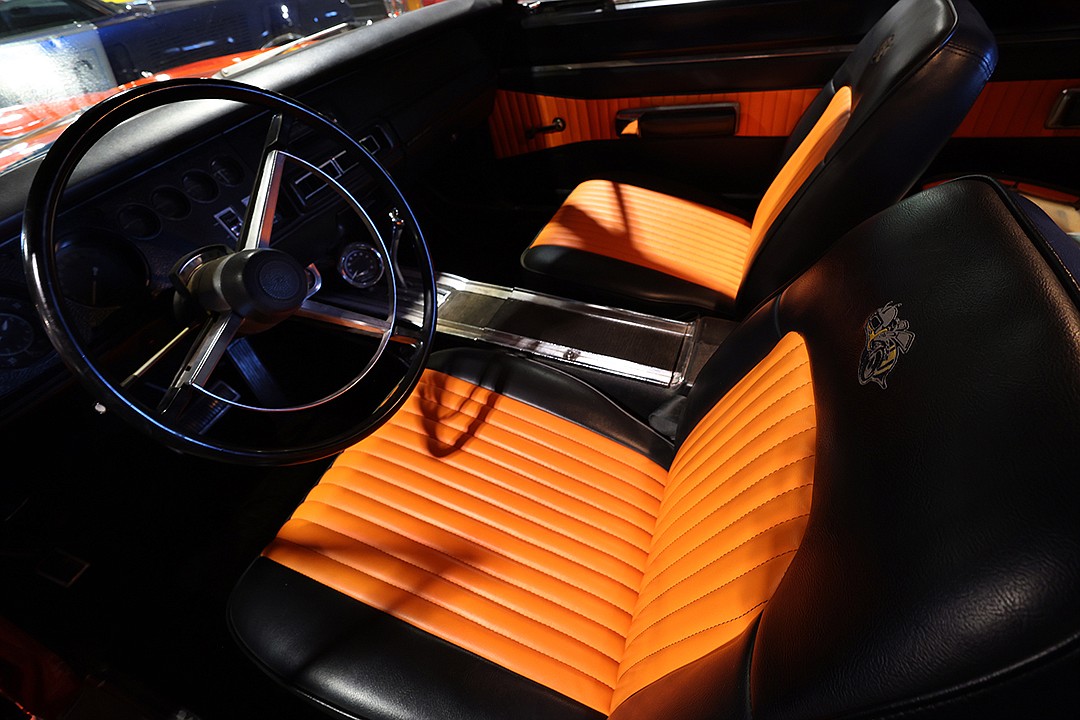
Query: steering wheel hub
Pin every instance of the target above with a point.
(262, 285)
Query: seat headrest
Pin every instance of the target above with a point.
(901, 43)
(942, 548)
(913, 78)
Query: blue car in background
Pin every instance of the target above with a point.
(68, 47)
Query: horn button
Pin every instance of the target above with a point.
(262, 285)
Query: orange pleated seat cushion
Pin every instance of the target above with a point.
(559, 553)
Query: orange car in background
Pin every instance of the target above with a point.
(74, 53)
(28, 129)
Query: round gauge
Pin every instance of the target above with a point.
(99, 269)
(16, 334)
(227, 170)
(139, 221)
(20, 342)
(171, 203)
(200, 186)
(361, 265)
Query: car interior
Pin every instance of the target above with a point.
(557, 359)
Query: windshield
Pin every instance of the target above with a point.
(70, 54)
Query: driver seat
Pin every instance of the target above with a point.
(870, 510)
(860, 146)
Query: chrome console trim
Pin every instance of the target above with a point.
(479, 322)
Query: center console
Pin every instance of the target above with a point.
(632, 345)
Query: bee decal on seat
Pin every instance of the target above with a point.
(887, 337)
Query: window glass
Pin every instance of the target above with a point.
(19, 16)
(71, 54)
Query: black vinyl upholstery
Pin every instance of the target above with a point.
(559, 393)
(913, 78)
(359, 662)
(940, 562)
(939, 574)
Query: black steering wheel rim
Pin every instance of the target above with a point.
(39, 244)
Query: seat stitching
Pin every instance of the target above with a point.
(704, 448)
(470, 620)
(985, 64)
(514, 511)
(658, 650)
(737, 407)
(751, 461)
(602, 198)
(731, 475)
(446, 606)
(750, 394)
(716, 559)
(493, 480)
(509, 580)
(646, 218)
(490, 548)
(481, 520)
(573, 478)
(716, 589)
(554, 449)
(654, 225)
(733, 522)
(723, 252)
(521, 418)
(725, 257)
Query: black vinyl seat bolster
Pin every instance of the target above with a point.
(940, 570)
(625, 284)
(913, 79)
(559, 393)
(359, 662)
(941, 562)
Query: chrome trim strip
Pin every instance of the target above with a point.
(570, 68)
(449, 285)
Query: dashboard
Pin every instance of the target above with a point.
(180, 178)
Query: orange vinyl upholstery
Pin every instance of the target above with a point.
(762, 113)
(699, 244)
(814, 542)
(809, 155)
(695, 243)
(468, 515)
(558, 553)
(1006, 108)
(734, 509)
(1016, 108)
(860, 144)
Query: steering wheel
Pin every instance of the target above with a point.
(285, 343)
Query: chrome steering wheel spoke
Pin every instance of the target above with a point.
(259, 218)
(209, 348)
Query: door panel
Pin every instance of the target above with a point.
(583, 62)
(517, 116)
